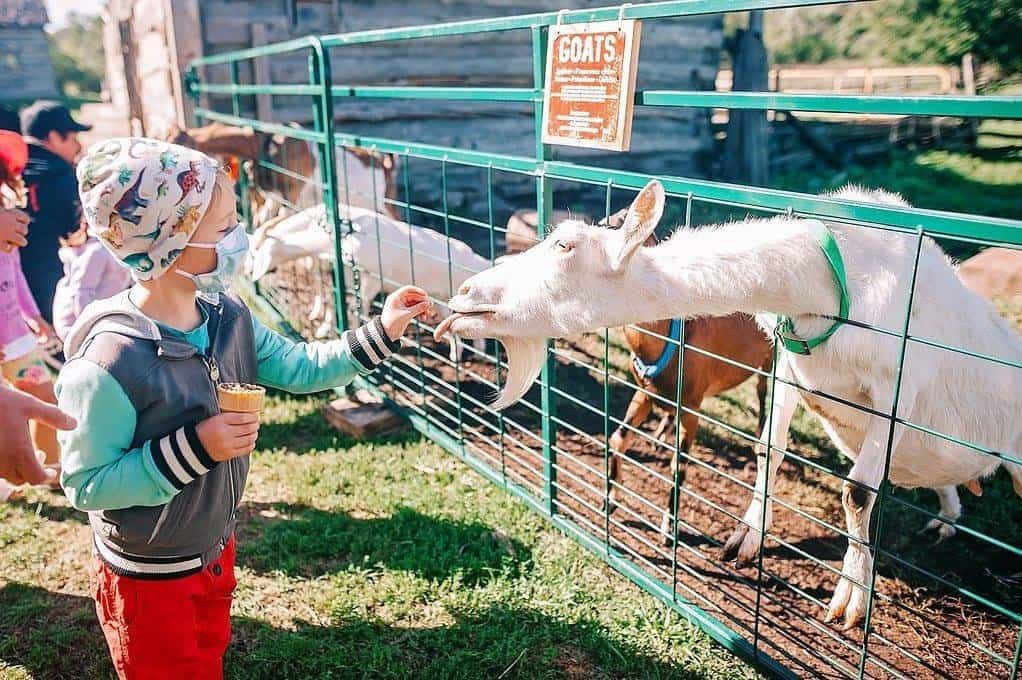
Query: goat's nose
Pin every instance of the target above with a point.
(464, 290)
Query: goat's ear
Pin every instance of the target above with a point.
(640, 221)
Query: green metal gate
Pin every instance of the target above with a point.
(552, 451)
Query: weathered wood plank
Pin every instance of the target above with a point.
(30, 74)
(264, 103)
(185, 37)
(362, 418)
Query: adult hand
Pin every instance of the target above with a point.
(18, 462)
(229, 435)
(43, 331)
(13, 229)
(400, 307)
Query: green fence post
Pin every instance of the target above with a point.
(677, 478)
(884, 488)
(544, 207)
(607, 452)
(323, 119)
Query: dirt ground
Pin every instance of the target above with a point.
(921, 627)
(936, 604)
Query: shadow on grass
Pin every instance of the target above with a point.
(54, 512)
(55, 636)
(927, 179)
(497, 642)
(303, 541)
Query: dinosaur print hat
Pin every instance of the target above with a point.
(144, 198)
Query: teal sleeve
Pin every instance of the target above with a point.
(316, 366)
(99, 469)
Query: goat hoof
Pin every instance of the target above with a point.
(839, 602)
(943, 529)
(734, 543)
(850, 599)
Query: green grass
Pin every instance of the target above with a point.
(987, 181)
(383, 560)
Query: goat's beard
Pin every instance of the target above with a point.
(525, 357)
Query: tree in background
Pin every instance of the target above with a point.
(944, 31)
(900, 31)
(77, 53)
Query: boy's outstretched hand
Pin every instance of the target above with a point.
(400, 307)
(228, 435)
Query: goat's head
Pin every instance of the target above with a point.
(578, 279)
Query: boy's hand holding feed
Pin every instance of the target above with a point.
(400, 307)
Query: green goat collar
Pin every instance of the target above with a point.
(785, 328)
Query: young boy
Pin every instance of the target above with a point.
(159, 469)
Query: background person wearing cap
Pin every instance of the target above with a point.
(9, 120)
(53, 203)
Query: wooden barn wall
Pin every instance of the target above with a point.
(25, 63)
(676, 53)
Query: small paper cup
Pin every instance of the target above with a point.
(240, 397)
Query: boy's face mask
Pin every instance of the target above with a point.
(230, 251)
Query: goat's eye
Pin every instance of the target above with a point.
(563, 246)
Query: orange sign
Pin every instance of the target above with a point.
(590, 84)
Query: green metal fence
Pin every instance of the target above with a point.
(950, 611)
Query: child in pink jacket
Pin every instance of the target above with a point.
(90, 273)
(21, 325)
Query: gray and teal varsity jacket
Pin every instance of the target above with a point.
(159, 505)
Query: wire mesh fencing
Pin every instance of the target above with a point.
(662, 476)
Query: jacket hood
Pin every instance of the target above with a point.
(43, 162)
(117, 314)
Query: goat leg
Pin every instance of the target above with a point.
(761, 395)
(851, 596)
(689, 423)
(638, 410)
(746, 539)
(950, 511)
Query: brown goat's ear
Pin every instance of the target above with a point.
(640, 221)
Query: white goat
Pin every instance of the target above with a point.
(583, 278)
(387, 253)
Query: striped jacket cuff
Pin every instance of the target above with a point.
(369, 344)
(180, 456)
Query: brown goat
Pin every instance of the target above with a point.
(294, 154)
(736, 337)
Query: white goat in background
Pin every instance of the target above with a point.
(387, 253)
(583, 278)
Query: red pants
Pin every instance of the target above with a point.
(169, 628)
